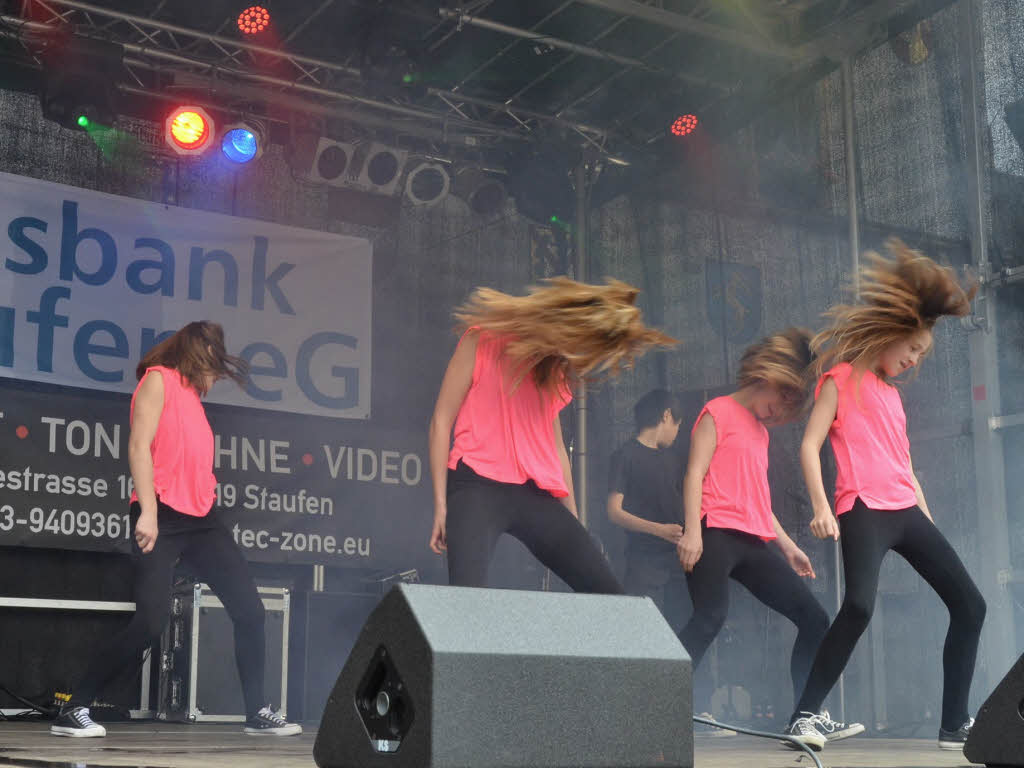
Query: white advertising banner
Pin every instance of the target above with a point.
(90, 281)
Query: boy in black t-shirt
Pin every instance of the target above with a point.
(644, 497)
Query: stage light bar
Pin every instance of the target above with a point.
(427, 184)
(189, 130)
(684, 125)
(253, 20)
(242, 142)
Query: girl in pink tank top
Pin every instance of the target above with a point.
(170, 453)
(507, 470)
(879, 504)
(729, 521)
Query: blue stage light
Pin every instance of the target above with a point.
(240, 145)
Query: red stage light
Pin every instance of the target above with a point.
(684, 125)
(253, 20)
(189, 130)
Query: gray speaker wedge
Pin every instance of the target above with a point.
(454, 677)
(997, 738)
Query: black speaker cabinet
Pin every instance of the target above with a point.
(997, 738)
(447, 677)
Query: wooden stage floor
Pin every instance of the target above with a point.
(161, 745)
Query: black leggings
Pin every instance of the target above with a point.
(866, 535)
(217, 560)
(481, 509)
(749, 560)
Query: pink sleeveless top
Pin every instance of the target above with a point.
(182, 448)
(504, 435)
(869, 439)
(735, 493)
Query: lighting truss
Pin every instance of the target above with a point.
(204, 59)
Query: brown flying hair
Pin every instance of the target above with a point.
(781, 360)
(564, 330)
(197, 352)
(900, 294)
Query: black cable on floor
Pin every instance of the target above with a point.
(762, 734)
(45, 711)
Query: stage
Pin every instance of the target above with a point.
(161, 745)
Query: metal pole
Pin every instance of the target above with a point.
(853, 214)
(852, 203)
(999, 639)
(582, 270)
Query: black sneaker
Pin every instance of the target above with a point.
(804, 730)
(955, 739)
(75, 722)
(267, 722)
(831, 729)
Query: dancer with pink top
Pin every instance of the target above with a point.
(170, 453)
(878, 501)
(507, 470)
(729, 519)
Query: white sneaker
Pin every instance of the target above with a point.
(75, 722)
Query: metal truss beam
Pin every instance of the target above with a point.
(142, 30)
(172, 48)
(219, 94)
(839, 40)
(522, 116)
(505, 48)
(693, 26)
(212, 78)
(577, 48)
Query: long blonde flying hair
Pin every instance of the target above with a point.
(782, 360)
(900, 294)
(564, 331)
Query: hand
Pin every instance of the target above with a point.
(824, 525)
(800, 563)
(439, 536)
(146, 532)
(689, 548)
(670, 532)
